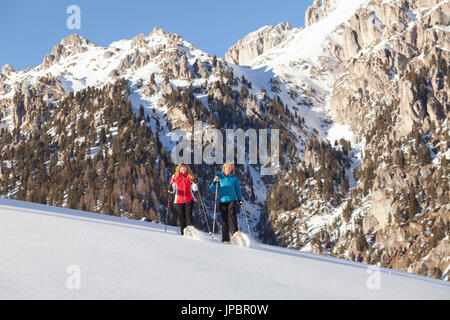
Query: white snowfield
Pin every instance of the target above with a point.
(56, 253)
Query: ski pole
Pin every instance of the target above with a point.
(168, 212)
(246, 220)
(215, 205)
(245, 215)
(204, 211)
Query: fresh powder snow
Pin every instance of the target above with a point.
(44, 248)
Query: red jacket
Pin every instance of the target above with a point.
(183, 188)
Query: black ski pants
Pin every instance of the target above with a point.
(229, 219)
(184, 212)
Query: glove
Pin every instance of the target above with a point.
(242, 203)
(216, 179)
(170, 189)
(196, 180)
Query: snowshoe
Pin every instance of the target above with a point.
(192, 233)
(241, 240)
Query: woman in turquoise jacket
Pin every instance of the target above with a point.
(229, 195)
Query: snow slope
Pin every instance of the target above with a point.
(125, 259)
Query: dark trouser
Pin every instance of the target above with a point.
(229, 219)
(184, 212)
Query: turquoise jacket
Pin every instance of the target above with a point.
(229, 188)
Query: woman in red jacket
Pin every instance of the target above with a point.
(183, 184)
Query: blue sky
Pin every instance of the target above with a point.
(29, 29)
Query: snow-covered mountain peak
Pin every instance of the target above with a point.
(7, 69)
(268, 29)
(79, 63)
(76, 40)
(319, 10)
(309, 43)
(258, 42)
(68, 46)
(158, 31)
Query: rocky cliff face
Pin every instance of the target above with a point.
(318, 11)
(394, 89)
(386, 47)
(257, 43)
